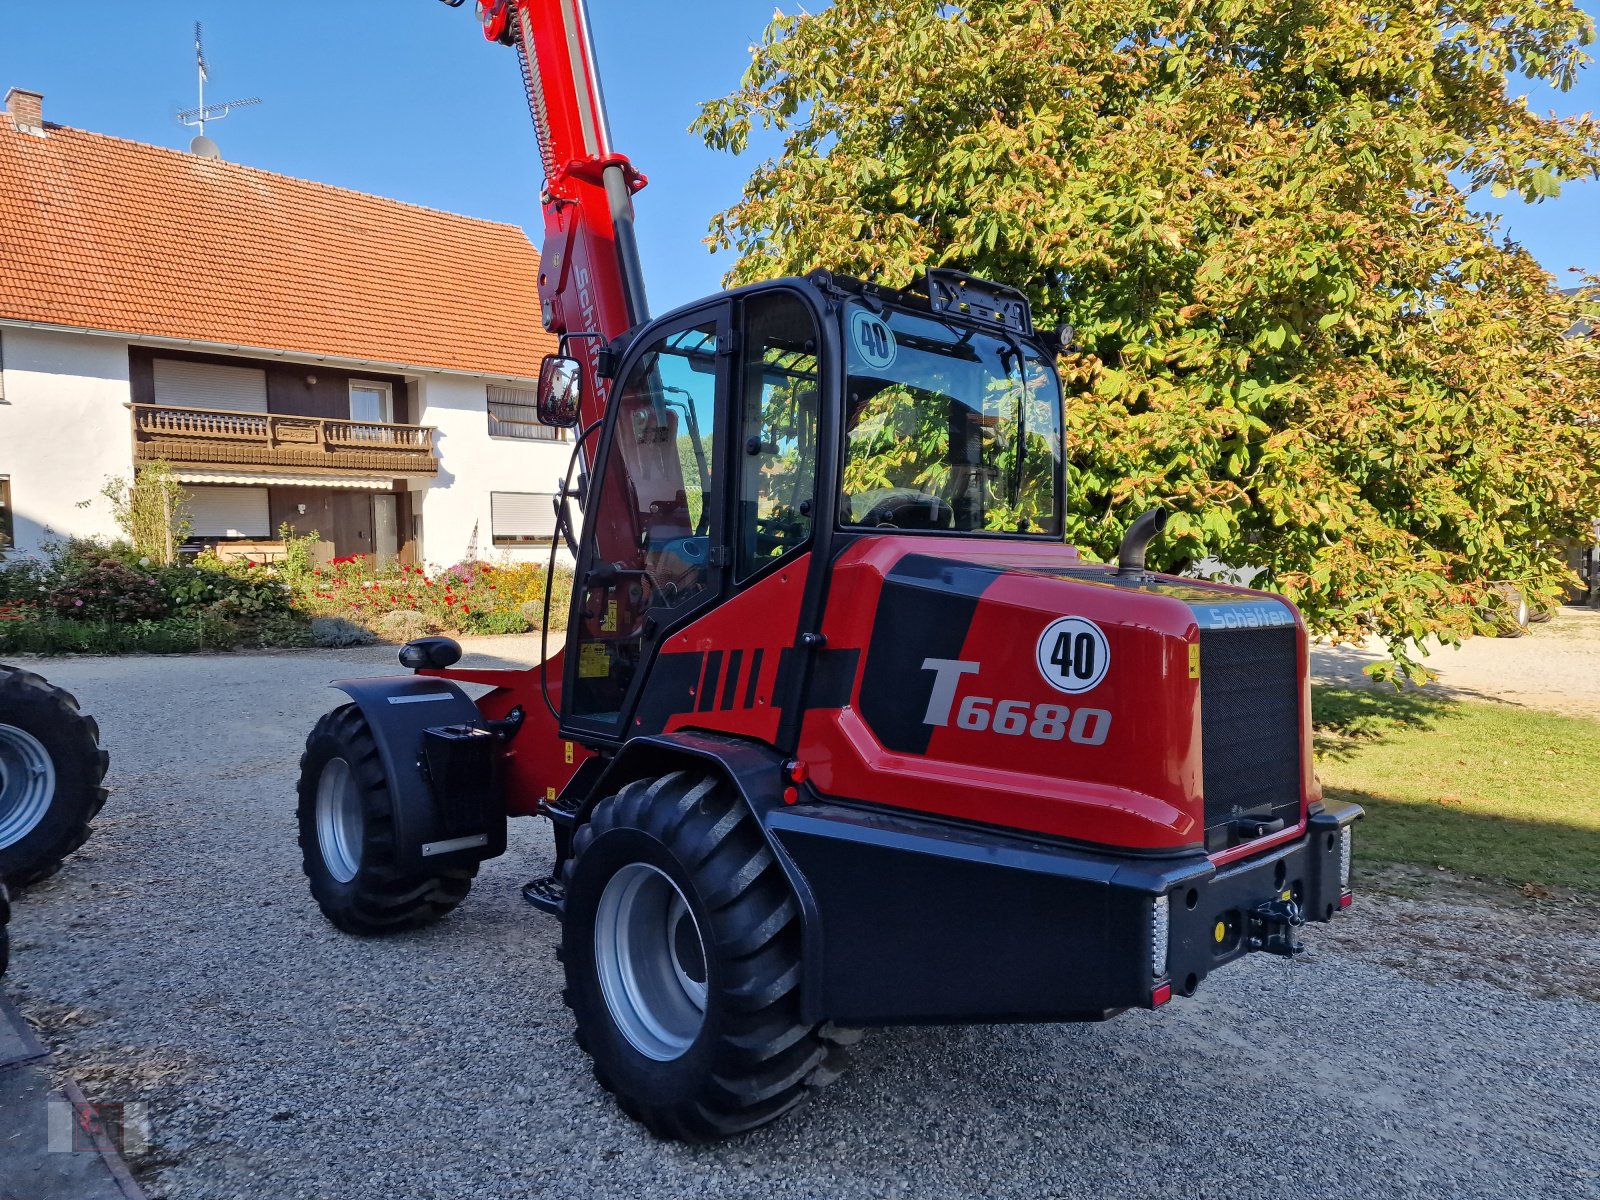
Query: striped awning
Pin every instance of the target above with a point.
(375, 483)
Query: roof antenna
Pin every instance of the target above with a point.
(203, 146)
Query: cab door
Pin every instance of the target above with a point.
(653, 552)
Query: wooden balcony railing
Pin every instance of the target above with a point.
(218, 437)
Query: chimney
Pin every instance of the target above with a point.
(26, 109)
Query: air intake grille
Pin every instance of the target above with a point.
(1249, 728)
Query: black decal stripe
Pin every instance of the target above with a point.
(833, 678)
(669, 691)
(755, 678)
(925, 610)
(730, 685)
(708, 685)
(785, 677)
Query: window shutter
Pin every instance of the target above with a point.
(522, 516)
(513, 412)
(227, 512)
(185, 384)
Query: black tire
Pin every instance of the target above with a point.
(35, 716)
(1506, 610)
(5, 936)
(379, 896)
(1539, 616)
(751, 1058)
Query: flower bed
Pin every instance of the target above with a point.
(468, 598)
(89, 596)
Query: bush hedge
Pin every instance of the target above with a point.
(91, 596)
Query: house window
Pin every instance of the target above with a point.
(512, 414)
(522, 518)
(372, 402)
(182, 383)
(227, 512)
(8, 532)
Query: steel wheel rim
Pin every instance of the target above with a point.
(651, 961)
(339, 823)
(27, 784)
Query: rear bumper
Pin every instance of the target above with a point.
(914, 921)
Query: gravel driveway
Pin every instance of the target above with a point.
(178, 960)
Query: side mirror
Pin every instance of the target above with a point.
(560, 389)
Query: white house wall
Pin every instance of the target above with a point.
(63, 430)
(471, 465)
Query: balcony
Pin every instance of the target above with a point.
(267, 441)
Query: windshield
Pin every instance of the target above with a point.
(948, 428)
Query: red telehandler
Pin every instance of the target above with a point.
(843, 733)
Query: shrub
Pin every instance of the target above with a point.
(108, 590)
(286, 632)
(51, 635)
(23, 581)
(337, 632)
(401, 625)
(238, 590)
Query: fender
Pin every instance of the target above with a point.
(755, 772)
(440, 762)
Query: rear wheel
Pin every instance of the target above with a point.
(681, 943)
(1508, 611)
(51, 768)
(347, 840)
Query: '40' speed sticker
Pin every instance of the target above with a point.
(1073, 654)
(872, 339)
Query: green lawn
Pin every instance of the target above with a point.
(1502, 793)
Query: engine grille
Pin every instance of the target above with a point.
(1249, 728)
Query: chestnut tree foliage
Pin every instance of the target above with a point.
(1292, 327)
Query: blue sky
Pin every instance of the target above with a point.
(403, 98)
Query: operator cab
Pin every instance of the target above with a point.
(791, 417)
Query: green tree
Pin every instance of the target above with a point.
(150, 511)
(1296, 332)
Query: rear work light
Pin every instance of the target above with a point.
(1344, 859)
(1160, 921)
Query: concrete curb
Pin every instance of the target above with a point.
(30, 1155)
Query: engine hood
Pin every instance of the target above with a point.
(1018, 685)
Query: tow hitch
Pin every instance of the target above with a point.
(1271, 927)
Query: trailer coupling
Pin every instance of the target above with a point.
(1271, 925)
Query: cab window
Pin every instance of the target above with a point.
(778, 454)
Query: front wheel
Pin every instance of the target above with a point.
(5, 937)
(347, 837)
(681, 944)
(51, 770)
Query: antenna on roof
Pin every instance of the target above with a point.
(197, 117)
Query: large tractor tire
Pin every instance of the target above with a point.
(347, 845)
(5, 937)
(51, 771)
(1508, 611)
(681, 944)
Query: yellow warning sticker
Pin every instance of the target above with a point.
(594, 661)
(569, 750)
(1194, 660)
(550, 794)
(609, 625)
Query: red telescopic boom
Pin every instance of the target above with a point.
(589, 276)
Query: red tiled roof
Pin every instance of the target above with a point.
(101, 233)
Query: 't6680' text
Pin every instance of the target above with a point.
(1011, 718)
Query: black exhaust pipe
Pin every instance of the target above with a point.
(1130, 555)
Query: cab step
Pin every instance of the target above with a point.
(562, 811)
(549, 894)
